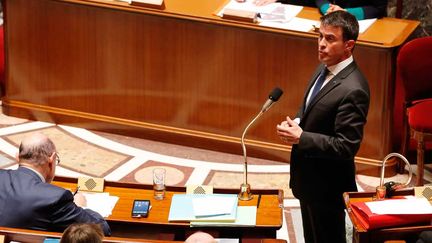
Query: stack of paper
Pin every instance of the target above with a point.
(267, 13)
(283, 16)
(213, 205)
(102, 203)
(198, 207)
(246, 216)
(393, 212)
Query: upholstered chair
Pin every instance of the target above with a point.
(414, 68)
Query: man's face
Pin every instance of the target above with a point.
(332, 49)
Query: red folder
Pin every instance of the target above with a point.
(370, 220)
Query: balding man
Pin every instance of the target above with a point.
(200, 237)
(28, 200)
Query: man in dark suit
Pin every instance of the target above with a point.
(28, 200)
(327, 131)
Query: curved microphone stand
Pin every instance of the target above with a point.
(245, 190)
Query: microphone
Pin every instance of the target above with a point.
(274, 96)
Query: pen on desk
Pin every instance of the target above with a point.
(259, 200)
(76, 191)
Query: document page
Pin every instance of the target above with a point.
(249, 6)
(213, 205)
(365, 24)
(246, 216)
(297, 24)
(270, 12)
(102, 203)
(401, 206)
(227, 240)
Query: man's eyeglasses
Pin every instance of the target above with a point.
(57, 158)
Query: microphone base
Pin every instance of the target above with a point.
(245, 193)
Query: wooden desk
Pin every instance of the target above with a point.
(361, 235)
(268, 219)
(35, 236)
(181, 75)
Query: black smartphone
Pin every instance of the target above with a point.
(140, 208)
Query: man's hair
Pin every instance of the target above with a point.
(82, 233)
(36, 149)
(345, 20)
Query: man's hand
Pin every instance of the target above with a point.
(334, 7)
(80, 200)
(289, 131)
(263, 2)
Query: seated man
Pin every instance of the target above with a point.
(82, 233)
(28, 200)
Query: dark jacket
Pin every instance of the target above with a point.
(27, 202)
(322, 163)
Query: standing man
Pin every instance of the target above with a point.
(28, 200)
(327, 131)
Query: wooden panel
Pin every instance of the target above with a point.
(181, 75)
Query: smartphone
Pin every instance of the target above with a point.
(140, 208)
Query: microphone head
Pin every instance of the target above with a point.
(275, 94)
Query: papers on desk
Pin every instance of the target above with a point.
(213, 205)
(183, 209)
(401, 206)
(268, 13)
(246, 216)
(297, 24)
(102, 203)
(226, 240)
(283, 16)
(365, 24)
(392, 212)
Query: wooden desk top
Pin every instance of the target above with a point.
(385, 32)
(269, 212)
(26, 235)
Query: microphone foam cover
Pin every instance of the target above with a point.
(275, 94)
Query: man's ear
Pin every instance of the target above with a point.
(52, 158)
(349, 45)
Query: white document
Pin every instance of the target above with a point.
(102, 203)
(249, 6)
(270, 12)
(365, 24)
(401, 206)
(226, 240)
(246, 216)
(297, 24)
(283, 13)
(213, 205)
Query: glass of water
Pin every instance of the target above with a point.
(159, 183)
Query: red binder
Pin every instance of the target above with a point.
(370, 220)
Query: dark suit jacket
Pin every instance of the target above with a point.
(322, 163)
(27, 202)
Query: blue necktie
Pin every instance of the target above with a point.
(319, 82)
